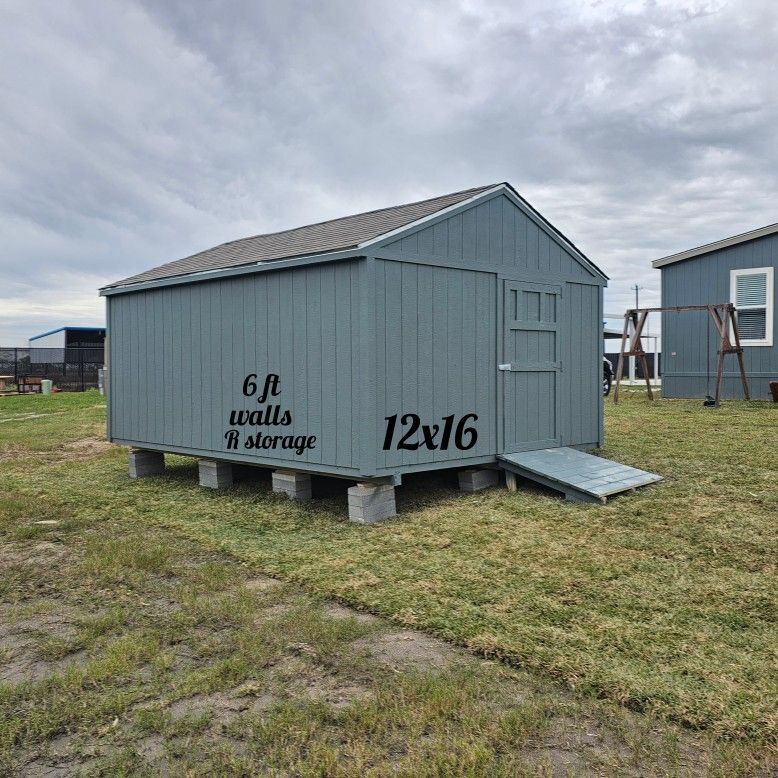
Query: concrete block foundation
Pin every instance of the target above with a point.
(369, 503)
(143, 462)
(296, 486)
(215, 475)
(475, 479)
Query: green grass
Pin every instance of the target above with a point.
(662, 601)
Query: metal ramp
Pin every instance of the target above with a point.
(582, 477)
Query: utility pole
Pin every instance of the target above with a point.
(637, 295)
(632, 359)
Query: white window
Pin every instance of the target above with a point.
(751, 289)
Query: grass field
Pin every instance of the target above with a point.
(662, 602)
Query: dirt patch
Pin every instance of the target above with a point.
(42, 553)
(184, 656)
(336, 694)
(152, 749)
(20, 641)
(299, 676)
(408, 649)
(87, 448)
(58, 624)
(28, 416)
(273, 612)
(337, 611)
(570, 748)
(41, 768)
(262, 583)
(221, 707)
(24, 667)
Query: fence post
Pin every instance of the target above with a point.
(16, 368)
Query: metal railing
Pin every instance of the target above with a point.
(72, 369)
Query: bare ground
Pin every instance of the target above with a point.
(43, 637)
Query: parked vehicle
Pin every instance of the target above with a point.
(607, 376)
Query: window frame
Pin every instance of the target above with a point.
(769, 302)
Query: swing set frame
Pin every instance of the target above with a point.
(725, 321)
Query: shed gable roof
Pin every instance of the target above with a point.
(709, 248)
(333, 235)
(337, 235)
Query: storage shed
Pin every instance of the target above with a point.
(453, 332)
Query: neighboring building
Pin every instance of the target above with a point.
(741, 270)
(446, 333)
(69, 337)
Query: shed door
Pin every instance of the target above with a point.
(531, 366)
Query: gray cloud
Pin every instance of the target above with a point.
(135, 133)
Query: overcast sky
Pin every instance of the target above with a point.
(135, 133)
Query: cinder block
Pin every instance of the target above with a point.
(296, 486)
(475, 479)
(215, 475)
(369, 503)
(143, 462)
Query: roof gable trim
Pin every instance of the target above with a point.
(441, 214)
(709, 248)
(500, 189)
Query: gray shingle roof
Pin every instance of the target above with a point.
(334, 235)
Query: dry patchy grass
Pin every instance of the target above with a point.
(662, 601)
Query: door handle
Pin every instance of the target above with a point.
(504, 367)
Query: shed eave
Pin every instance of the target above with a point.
(709, 248)
(236, 270)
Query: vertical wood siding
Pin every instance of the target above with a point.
(179, 356)
(494, 233)
(582, 384)
(691, 336)
(436, 354)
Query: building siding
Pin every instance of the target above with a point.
(179, 355)
(689, 341)
(582, 401)
(436, 334)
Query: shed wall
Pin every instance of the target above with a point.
(179, 355)
(501, 240)
(436, 334)
(582, 401)
(689, 342)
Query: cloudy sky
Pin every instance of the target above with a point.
(133, 133)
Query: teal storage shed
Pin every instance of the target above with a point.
(446, 333)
